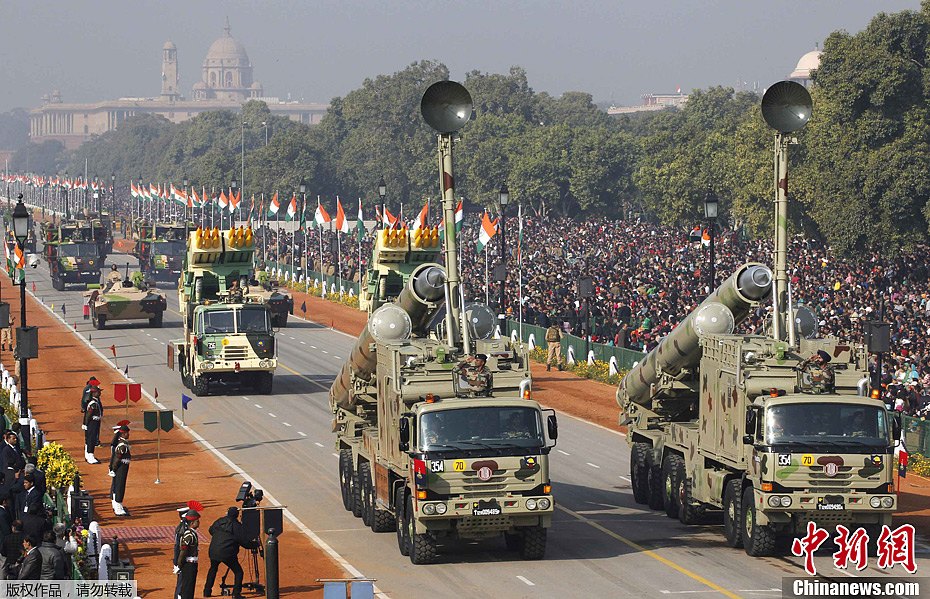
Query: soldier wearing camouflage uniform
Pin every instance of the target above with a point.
(473, 371)
(821, 372)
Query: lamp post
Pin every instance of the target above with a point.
(302, 188)
(187, 218)
(112, 197)
(68, 198)
(265, 125)
(382, 191)
(21, 232)
(504, 196)
(710, 213)
(233, 186)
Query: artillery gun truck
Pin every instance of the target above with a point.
(228, 336)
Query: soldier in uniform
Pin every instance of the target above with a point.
(6, 335)
(178, 531)
(92, 417)
(188, 550)
(554, 343)
(113, 278)
(473, 373)
(85, 395)
(235, 292)
(821, 372)
(119, 469)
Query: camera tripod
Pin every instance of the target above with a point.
(252, 570)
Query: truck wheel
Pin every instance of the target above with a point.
(200, 386)
(156, 320)
(356, 491)
(732, 510)
(403, 543)
(57, 285)
(639, 472)
(758, 540)
(100, 321)
(534, 543)
(656, 488)
(364, 479)
(670, 486)
(283, 321)
(422, 546)
(265, 383)
(688, 511)
(345, 477)
(381, 520)
(513, 541)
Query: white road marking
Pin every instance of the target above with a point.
(258, 406)
(324, 351)
(272, 415)
(313, 346)
(245, 398)
(335, 455)
(292, 339)
(593, 465)
(285, 424)
(303, 343)
(318, 444)
(626, 479)
(667, 592)
(563, 452)
(526, 581)
(302, 434)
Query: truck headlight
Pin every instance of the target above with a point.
(786, 501)
(774, 501)
(531, 504)
(429, 509)
(441, 508)
(887, 502)
(875, 502)
(543, 503)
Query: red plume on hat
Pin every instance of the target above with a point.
(122, 425)
(193, 504)
(93, 382)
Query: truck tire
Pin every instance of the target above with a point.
(345, 477)
(656, 488)
(670, 486)
(156, 320)
(758, 540)
(283, 320)
(422, 546)
(732, 511)
(534, 543)
(356, 491)
(265, 383)
(100, 321)
(688, 511)
(400, 518)
(200, 386)
(381, 520)
(513, 541)
(639, 472)
(366, 492)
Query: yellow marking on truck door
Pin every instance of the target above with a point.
(650, 553)
(458, 466)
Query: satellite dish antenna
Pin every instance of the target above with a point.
(805, 322)
(786, 106)
(446, 106)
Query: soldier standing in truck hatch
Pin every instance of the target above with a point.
(474, 372)
(821, 372)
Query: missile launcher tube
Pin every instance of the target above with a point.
(681, 349)
(410, 313)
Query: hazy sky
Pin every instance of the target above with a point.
(616, 50)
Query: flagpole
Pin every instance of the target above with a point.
(339, 252)
(487, 290)
(322, 270)
(520, 266)
(277, 234)
(264, 228)
(358, 267)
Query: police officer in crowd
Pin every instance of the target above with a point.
(554, 344)
(85, 395)
(226, 537)
(119, 468)
(188, 555)
(93, 415)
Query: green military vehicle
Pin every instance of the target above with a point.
(751, 424)
(160, 248)
(279, 301)
(423, 451)
(125, 299)
(228, 337)
(72, 254)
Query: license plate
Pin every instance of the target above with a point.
(486, 508)
(830, 503)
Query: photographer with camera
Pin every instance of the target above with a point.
(227, 536)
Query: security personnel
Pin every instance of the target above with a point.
(92, 417)
(235, 292)
(178, 531)
(113, 278)
(473, 371)
(226, 536)
(119, 469)
(85, 395)
(554, 343)
(6, 335)
(188, 555)
(821, 372)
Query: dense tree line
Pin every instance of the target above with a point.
(860, 173)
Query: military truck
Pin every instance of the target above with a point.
(126, 299)
(73, 256)
(279, 301)
(101, 232)
(160, 248)
(422, 451)
(228, 337)
(751, 424)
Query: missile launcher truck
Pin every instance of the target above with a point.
(228, 335)
(72, 254)
(752, 424)
(422, 451)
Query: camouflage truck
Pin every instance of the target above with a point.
(228, 338)
(126, 299)
(424, 451)
(101, 232)
(279, 301)
(73, 256)
(160, 248)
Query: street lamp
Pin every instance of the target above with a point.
(265, 125)
(504, 197)
(233, 185)
(710, 213)
(21, 232)
(112, 196)
(382, 191)
(184, 184)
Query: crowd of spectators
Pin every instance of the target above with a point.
(647, 278)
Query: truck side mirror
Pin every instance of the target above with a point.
(895, 429)
(751, 424)
(553, 427)
(403, 428)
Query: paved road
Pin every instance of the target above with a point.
(601, 544)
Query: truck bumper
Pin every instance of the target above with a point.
(460, 519)
(221, 368)
(824, 509)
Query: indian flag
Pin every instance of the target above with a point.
(487, 233)
(224, 201)
(292, 208)
(322, 216)
(133, 190)
(274, 205)
(342, 225)
(360, 223)
(234, 201)
(459, 218)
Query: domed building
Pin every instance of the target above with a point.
(809, 62)
(227, 72)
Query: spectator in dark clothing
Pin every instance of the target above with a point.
(53, 558)
(26, 498)
(31, 566)
(12, 550)
(6, 516)
(39, 479)
(35, 522)
(227, 536)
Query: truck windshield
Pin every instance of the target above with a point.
(253, 320)
(219, 321)
(77, 250)
(170, 248)
(829, 423)
(246, 320)
(480, 428)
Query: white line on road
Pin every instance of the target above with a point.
(272, 415)
(258, 406)
(563, 452)
(318, 444)
(526, 581)
(626, 479)
(292, 339)
(313, 346)
(303, 343)
(324, 351)
(302, 434)
(335, 455)
(593, 465)
(245, 398)
(285, 424)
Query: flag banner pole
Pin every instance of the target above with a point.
(322, 270)
(158, 455)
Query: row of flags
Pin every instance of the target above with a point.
(66, 183)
